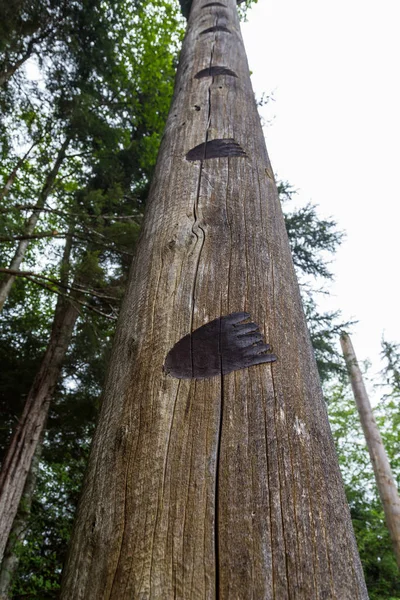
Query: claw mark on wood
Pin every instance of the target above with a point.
(215, 28)
(214, 71)
(226, 344)
(214, 4)
(215, 149)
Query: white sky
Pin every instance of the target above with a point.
(335, 136)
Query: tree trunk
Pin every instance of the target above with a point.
(228, 486)
(10, 561)
(8, 72)
(17, 462)
(383, 474)
(6, 284)
(11, 178)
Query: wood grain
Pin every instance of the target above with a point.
(226, 487)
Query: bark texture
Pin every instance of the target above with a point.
(383, 474)
(225, 487)
(17, 462)
(6, 284)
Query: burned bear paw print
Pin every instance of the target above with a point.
(226, 344)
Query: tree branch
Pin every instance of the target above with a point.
(55, 234)
(71, 214)
(74, 288)
(70, 298)
(33, 236)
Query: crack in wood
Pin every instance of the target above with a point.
(214, 71)
(215, 28)
(219, 148)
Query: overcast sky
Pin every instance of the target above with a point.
(335, 136)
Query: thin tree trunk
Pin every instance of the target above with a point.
(10, 561)
(17, 462)
(8, 72)
(11, 178)
(383, 474)
(6, 284)
(228, 486)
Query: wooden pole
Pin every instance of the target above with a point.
(227, 486)
(383, 474)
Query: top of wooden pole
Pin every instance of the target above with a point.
(186, 5)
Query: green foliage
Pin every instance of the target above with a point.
(43, 550)
(313, 241)
(373, 540)
(391, 373)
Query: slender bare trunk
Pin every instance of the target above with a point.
(11, 178)
(10, 561)
(26, 437)
(226, 486)
(6, 284)
(9, 71)
(383, 474)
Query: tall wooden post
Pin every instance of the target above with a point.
(383, 474)
(226, 486)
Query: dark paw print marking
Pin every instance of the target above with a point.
(221, 346)
(215, 149)
(214, 71)
(215, 28)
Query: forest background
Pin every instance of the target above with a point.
(85, 91)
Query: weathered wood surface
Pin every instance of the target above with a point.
(385, 481)
(226, 487)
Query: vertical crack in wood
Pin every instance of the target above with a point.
(196, 201)
(267, 433)
(164, 478)
(280, 494)
(277, 453)
(195, 214)
(125, 528)
(217, 469)
(322, 521)
(299, 549)
(184, 557)
(218, 456)
(310, 499)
